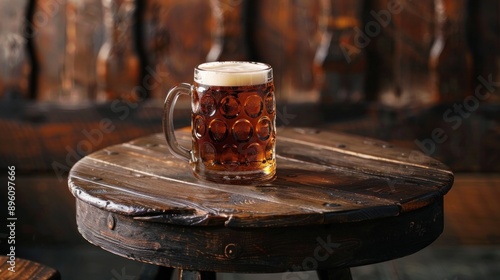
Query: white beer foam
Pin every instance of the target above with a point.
(233, 73)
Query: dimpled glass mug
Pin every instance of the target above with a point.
(233, 122)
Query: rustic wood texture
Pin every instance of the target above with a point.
(369, 200)
(27, 270)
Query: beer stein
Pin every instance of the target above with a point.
(233, 122)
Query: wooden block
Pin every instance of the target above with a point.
(26, 270)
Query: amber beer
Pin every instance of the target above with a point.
(233, 122)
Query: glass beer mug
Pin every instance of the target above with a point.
(233, 122)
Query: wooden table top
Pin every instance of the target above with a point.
(338, 201)
(322, 177)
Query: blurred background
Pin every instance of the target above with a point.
(79, 75)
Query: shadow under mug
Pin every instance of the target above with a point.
(233, 122)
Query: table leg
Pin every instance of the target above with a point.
(164, 273)
(337, 274)
(156, 272)
(196, 275)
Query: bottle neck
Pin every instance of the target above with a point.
(119, 22)
(450, 19)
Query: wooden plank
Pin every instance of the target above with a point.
(209, 209)
(384, 177)
(387, 180)
(166, 190)
(259, 250)
(316, 183)
(313, 151)
(26, 270)
(363, 147)
(339, 153)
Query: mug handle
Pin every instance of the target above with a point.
(168, 120)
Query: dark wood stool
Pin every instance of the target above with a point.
(338, 201)
(26, 270)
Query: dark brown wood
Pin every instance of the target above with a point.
(338, 201)
(26, 270)
(250, 249)
(323, 177)
(340, 274)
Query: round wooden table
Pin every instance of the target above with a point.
(338, 201)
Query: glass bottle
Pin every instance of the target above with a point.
(285, 35)
(83, 36)
(15, 66)
(229, 42)
(176, 36)
(340, 60)
(118, 65)
(450, 56)
(411, 34)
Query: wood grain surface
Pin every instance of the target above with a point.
(25, 269)
(338, 201)
(322, 177)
